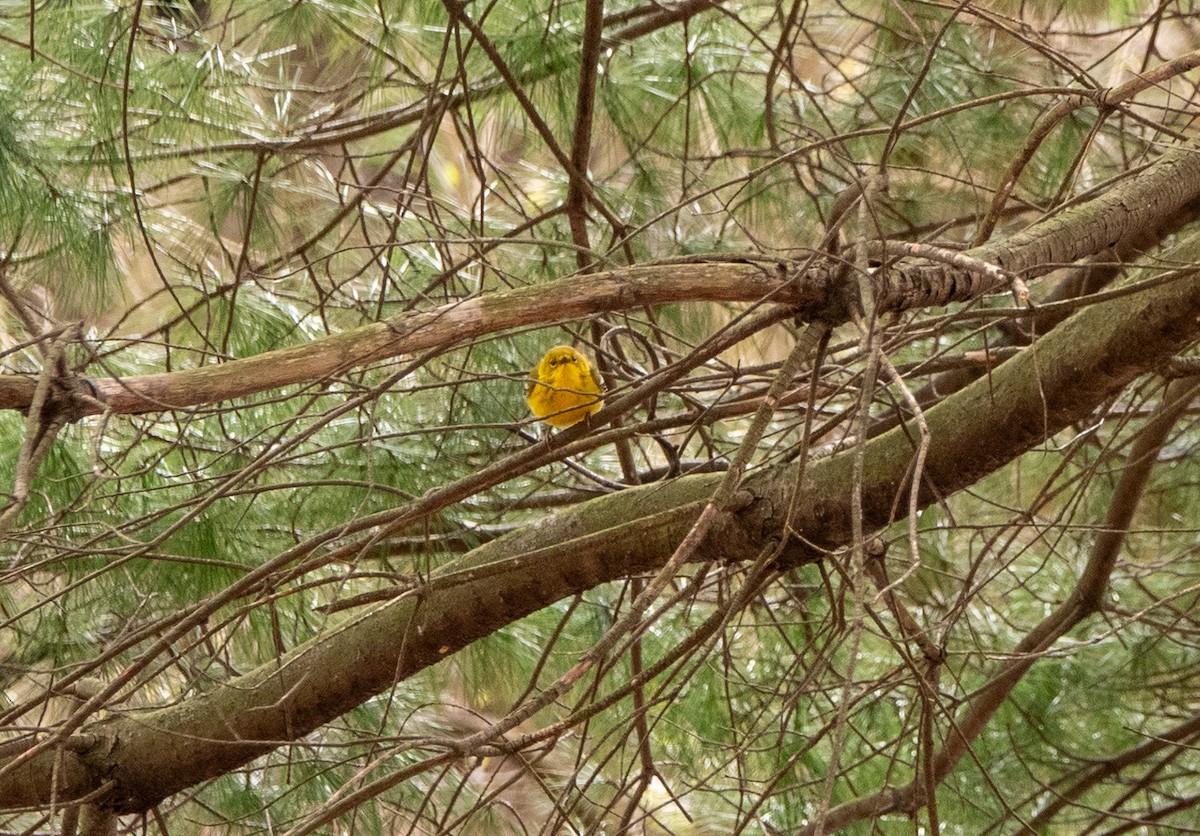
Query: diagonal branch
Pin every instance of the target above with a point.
(1083, 601)
(153, 754)
(1120, 214)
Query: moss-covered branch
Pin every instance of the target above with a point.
(1061, 379)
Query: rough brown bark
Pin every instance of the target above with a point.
(1123, 213)
(150, 755)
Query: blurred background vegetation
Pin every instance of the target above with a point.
(184, 183)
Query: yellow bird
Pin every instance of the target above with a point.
(563, 389)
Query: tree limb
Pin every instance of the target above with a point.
(153, 754)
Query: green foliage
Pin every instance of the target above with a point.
(242, 177)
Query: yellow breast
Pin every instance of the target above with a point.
(563, 389)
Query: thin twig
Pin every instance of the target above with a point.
(41, 428)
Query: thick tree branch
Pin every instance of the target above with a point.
(444, 327)
(1083, 601)
(153, 754)
(1122, 213)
